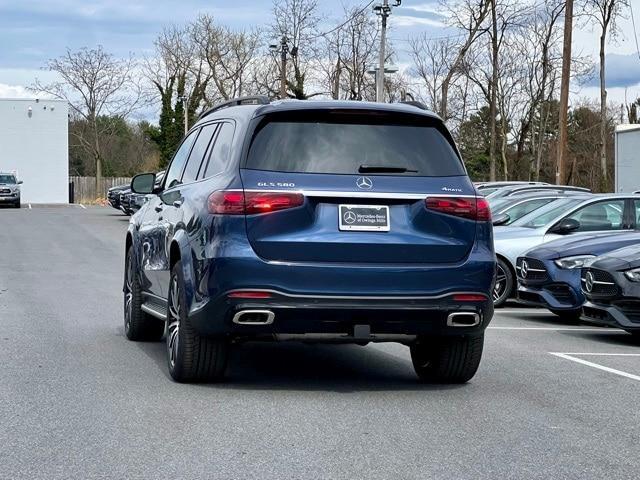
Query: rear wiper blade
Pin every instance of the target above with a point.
(383, 169)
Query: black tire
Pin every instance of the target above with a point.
(505, 284)
(138, 325)
(190, 357)
(571, 316)
(447, 359)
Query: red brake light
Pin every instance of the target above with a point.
(468, 297)
(249, 294)
(472, 208)
(234, 202)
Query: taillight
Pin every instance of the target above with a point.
(249, 294)
(471, 208)
(235, 202)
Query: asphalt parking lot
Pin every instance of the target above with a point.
(77, 400)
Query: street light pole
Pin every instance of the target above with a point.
(284, 49)
(185, 106)
(564, 95)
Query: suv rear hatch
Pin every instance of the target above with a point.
(367, 187)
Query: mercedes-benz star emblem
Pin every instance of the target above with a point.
(524, 269)
(589, 281)
(364, 183)
(349, 217)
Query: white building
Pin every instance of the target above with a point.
(34, 144)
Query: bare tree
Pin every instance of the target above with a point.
(605, 14)
(470, 16)
(297, 21)
(95, 84)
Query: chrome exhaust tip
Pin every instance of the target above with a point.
(463, 319)
(254, 317)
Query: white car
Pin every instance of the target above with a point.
(574, 215)
(9, 189)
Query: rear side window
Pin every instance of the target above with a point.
(197, 153)
(220, 151)
(343, 147)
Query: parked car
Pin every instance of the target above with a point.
(338, 221)
(515, 190)
(549, 275)
(507, 210)
(113, 195)
(10, 189)
(611, 285)
(485, 188)
(577, 214)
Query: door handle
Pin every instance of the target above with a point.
(177, 203)
(158, 208)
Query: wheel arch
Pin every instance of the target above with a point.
(180, 250)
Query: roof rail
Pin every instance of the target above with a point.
(250, 100)
(414, 103)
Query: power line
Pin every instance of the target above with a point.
(635, 34)
(358, 12)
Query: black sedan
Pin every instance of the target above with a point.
(611, 286)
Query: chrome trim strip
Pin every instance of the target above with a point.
(151, 311)
(598, 282)
(355, 297)
(355, 194)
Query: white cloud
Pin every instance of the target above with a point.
(424, 8)
(14, 91)
(408, 21)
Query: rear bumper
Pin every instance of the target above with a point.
(609, 315)
(350, 318)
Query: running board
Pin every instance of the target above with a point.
(153, 311)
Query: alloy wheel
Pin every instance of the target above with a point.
(501, 284)
(128, 294)
(173, 323)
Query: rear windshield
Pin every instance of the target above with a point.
(353, 146)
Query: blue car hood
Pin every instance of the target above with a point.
(598, 244)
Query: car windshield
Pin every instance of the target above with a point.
(541, 217)
(7, 179)
(524, 207)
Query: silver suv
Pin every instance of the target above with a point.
(9, 189)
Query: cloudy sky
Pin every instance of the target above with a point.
(32, 31)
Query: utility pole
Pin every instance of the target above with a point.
(185, 106)
(284, 50)
(564, 95)
(384, 11)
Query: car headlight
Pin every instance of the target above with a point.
(578, 261)
(633, 274)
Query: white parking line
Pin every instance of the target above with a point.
(568, 356)
(29, 206)
(527, 311)
(559, 329)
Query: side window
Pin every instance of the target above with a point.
(197, 153)
(636, 210)
(172, 178)
(219, 155)
(607, 215)
(522, 209)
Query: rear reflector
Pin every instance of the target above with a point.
(249, 294)
(235, 202)
(471, 208)
(468, 297)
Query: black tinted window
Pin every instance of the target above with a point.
(175, 170)
(337, 147)
(219, 155)
(197, 153)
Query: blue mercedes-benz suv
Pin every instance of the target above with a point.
(331, 221)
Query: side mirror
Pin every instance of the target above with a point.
(19, 182)
(143, 183)
(501, 219)
(565, 226)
